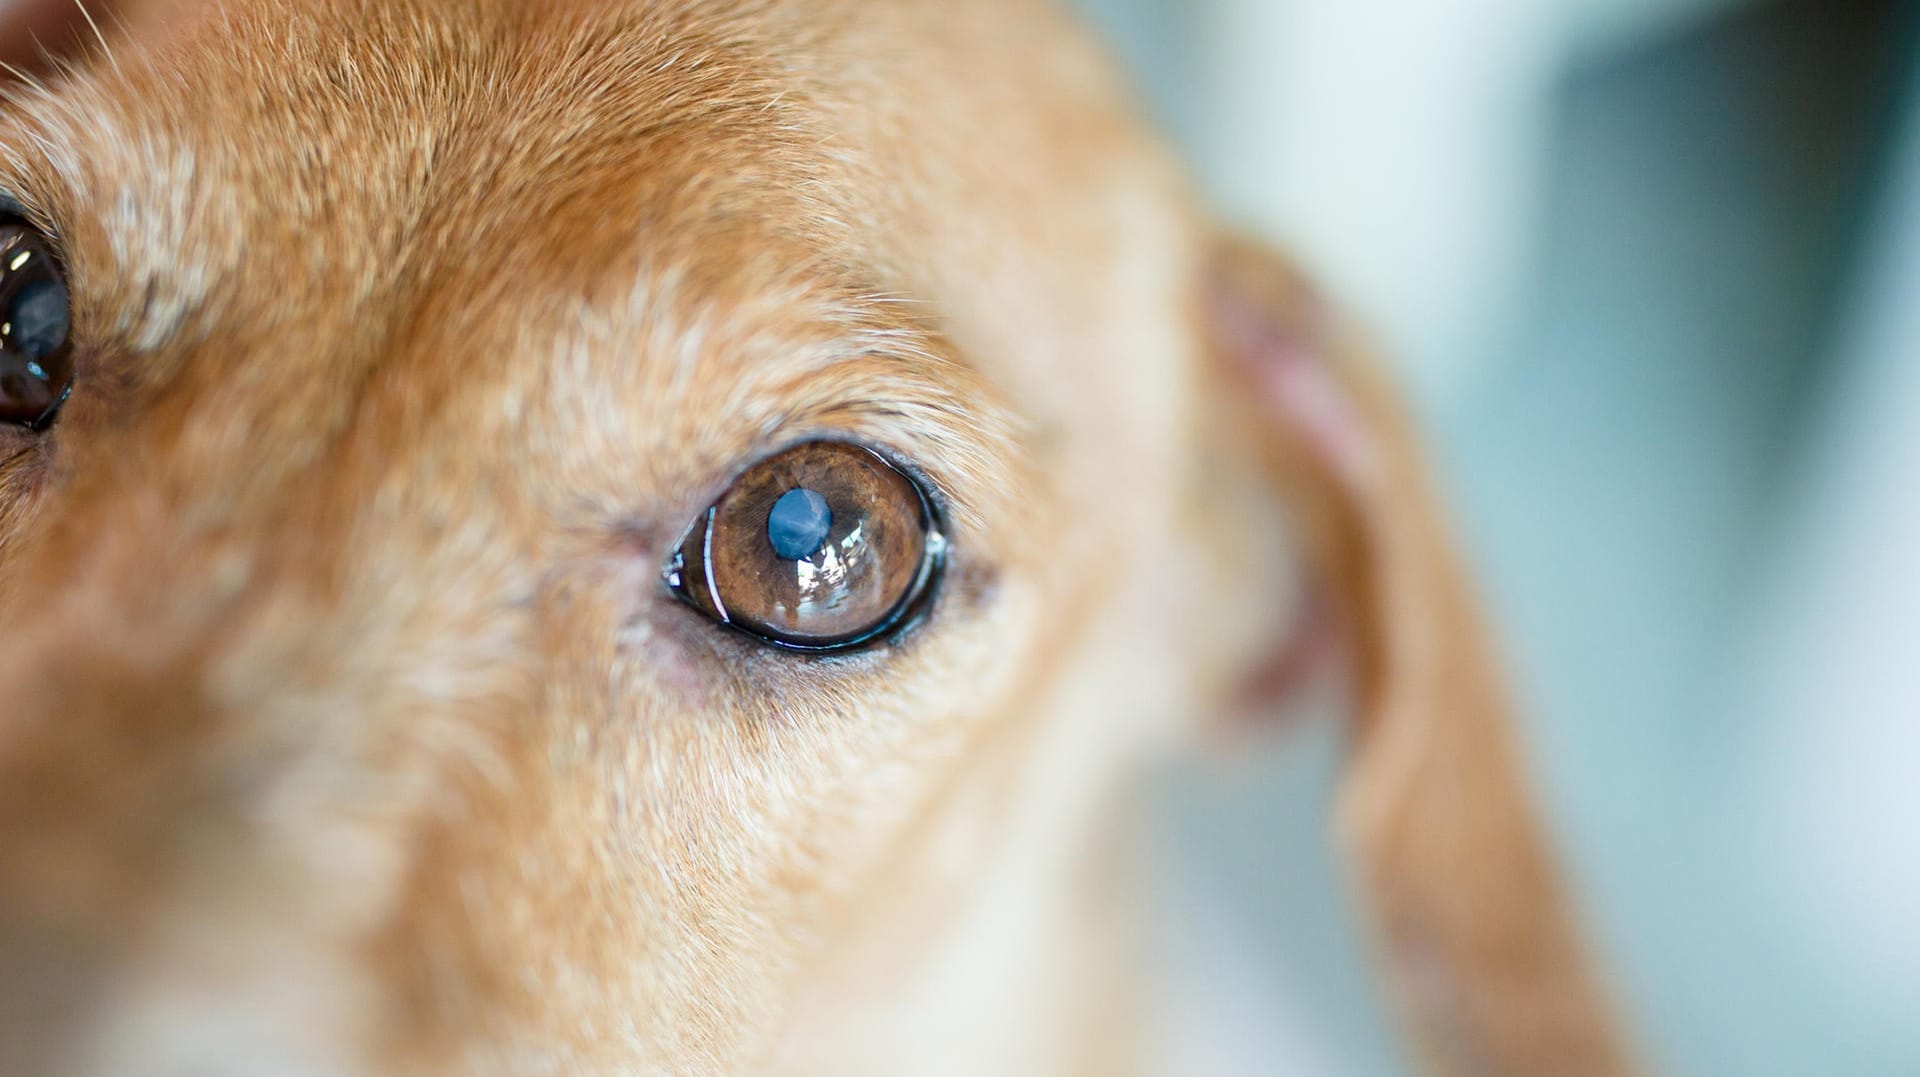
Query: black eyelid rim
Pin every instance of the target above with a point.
(912, 610)
(45, 421)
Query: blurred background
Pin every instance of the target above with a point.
(1651, 269)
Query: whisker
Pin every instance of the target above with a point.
(105, 49)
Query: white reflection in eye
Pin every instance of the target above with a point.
(821, 580)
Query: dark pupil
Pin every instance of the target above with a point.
(34, 322)
(39, 319)
(798, 524)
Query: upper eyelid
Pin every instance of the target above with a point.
(911, 416)
(856, 371)
(922, 452)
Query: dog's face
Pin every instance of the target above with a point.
(408, 342)
(647, 537)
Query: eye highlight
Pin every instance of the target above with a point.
(36, 368)
(824, 547)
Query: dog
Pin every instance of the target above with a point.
(656, 536)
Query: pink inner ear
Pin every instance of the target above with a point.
(1287, 373)
(1279, 341)
(1313, 645)
(1286, 365)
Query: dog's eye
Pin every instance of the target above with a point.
(823, 547)
(35, 365)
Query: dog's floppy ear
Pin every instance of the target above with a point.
(1436, 817)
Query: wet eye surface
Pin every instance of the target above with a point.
(824, 547)
(35, 361)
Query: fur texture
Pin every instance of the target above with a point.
(347, 726)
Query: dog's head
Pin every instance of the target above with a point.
(630, 537)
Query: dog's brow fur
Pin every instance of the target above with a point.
(351, 726)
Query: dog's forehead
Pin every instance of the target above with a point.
(319, 190)
(347, 144)
(358, 154)
(478, 192)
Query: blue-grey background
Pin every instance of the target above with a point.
(1651, 269)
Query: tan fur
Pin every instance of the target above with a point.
(347, 726)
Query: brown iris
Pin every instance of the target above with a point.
(823, 547)
(36, 366)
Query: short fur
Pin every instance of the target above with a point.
(348, 728)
